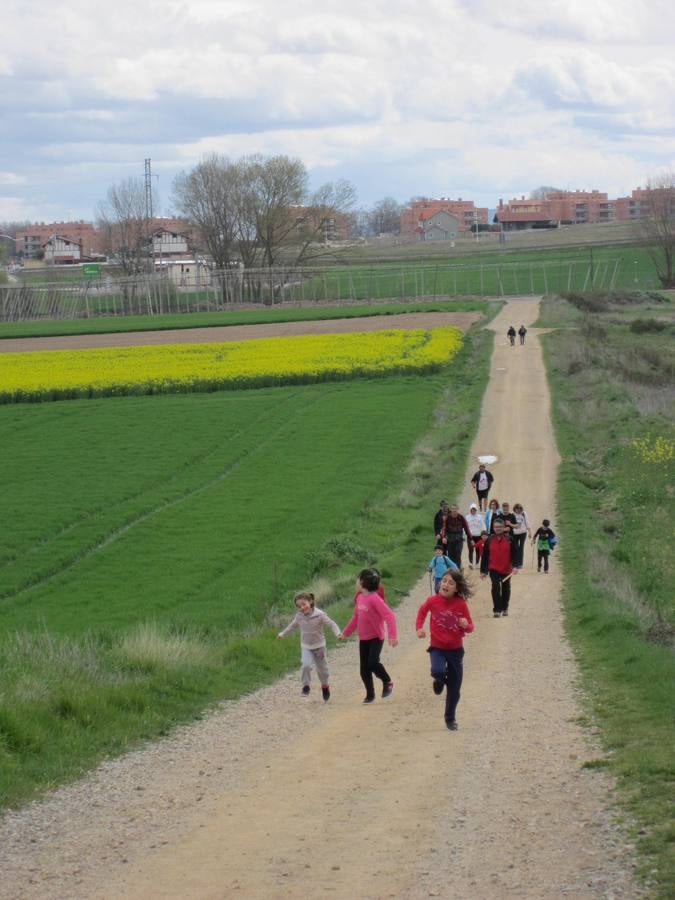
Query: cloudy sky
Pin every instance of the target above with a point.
(474, 98)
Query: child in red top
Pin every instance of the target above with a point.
(370, 615)
(450, 621)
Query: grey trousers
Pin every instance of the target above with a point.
(314, 659)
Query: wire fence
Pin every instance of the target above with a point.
(204, 290)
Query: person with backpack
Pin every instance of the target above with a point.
(439, 565)
(456, 528)
(545, 539)
(511, 335)
(522, 331)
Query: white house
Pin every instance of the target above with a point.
(60, 250)
(169, 243)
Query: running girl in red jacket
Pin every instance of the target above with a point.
(450, 621)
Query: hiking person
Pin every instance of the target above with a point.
(450, 621)
(456, 529)
(439, 565)
(482, 482)
(522, 331)
(508, 517)
(311, 622)
(371, 614)
(492, 513)
(520, 533)
(475, 522)
(511, 334)
(497, 562)
(545, 539)
(441, 525)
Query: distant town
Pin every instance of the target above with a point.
(173, 239)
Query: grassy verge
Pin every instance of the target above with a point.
(156, 543)
(612, 378)
(112, 325)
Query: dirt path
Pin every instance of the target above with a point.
(279, 797)
(461, 320)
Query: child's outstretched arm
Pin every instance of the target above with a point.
(334, 627)
(421, 618)
(292, 626)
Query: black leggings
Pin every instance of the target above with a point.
(519, 543)
(369, 653)
(542, 557)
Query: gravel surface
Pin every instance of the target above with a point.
(275, 796)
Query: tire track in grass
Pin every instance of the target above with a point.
(115, 534)
(186, 466)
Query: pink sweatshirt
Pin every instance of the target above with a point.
(370, 614)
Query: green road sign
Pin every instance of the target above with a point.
(91, 270)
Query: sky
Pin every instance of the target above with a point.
(480, 99)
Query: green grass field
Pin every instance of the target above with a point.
(489, 273)
(154, 545)
(613, 383)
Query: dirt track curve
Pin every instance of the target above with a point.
(278, 797)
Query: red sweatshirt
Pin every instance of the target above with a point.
(446, 632)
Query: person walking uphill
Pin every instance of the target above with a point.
(441, 525)
(511, 335)
(450, 621)
(370, 615)
(497, 561)
(482, 482)
(522, 331)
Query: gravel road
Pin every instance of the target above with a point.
(275, 796)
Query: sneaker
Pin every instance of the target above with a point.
(369, 700)
(505, 612)
(452, 726)
(305, 690)
(325, 690)
(438, 686)
(496, 615)
(387, 690)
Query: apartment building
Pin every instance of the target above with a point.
(416, 218)
(556, 208)
(30, 241)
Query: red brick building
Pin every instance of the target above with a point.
(30, 241)
(418, 212)
(556, 208)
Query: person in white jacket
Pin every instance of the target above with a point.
(311, 622)
(476, 523)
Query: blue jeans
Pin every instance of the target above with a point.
(448, 666)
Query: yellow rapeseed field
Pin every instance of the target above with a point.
(207, 367)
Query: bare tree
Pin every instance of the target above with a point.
(385, 217)
(658, 225)
(321, 218)
(277, 187)
(122, 221)
(210, 197)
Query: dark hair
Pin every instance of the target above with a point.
(304, 595)
(462, 586)
(545, 523)
(439, 547)
(370, 579)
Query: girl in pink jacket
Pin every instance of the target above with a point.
(370, 615)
